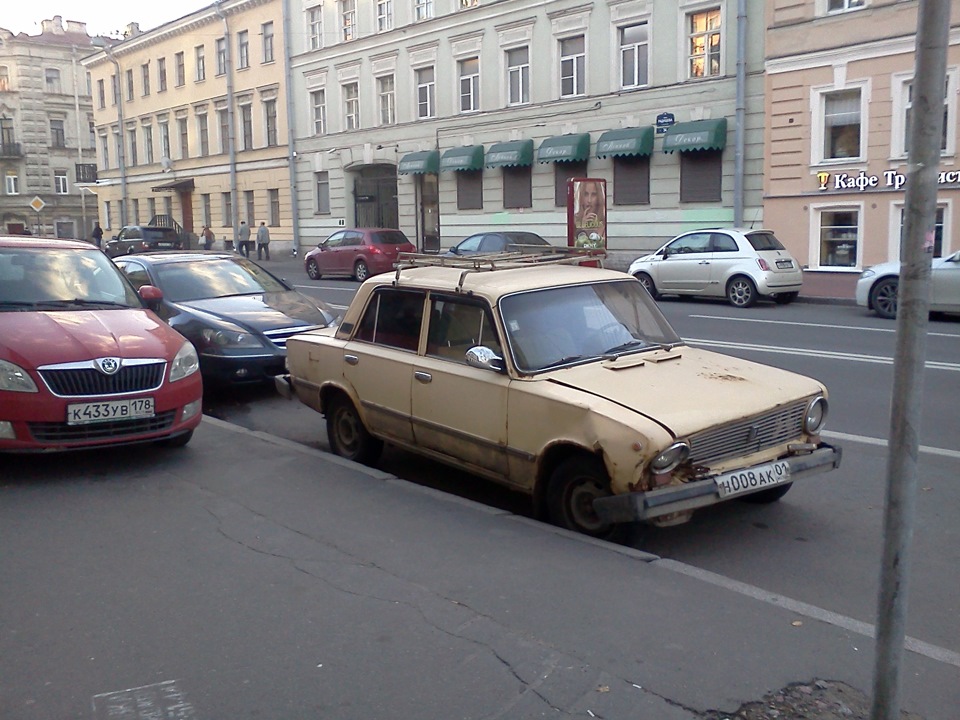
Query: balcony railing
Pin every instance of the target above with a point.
(10, 150)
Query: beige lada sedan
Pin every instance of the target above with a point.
(561, 381)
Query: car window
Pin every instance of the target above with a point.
(196, 280)
(392, 318)
(526, 238)
(764, 241)
(55, 275)
(471, 244)
(692, 243)
(352, 239)
(160, 234)
(456, 326)
(130, 234)
(724, 243)
(389, 237)
(135, 272)
(493, 243)
(335, 240)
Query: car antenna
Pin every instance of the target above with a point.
(753, 222)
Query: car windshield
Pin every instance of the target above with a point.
(764, 241)
(212, 278)
(389, 237)
(525, 238)
(579, 323)
(61, 279)
(159, 234)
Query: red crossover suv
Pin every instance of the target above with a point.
(357, 253)
(83, 362)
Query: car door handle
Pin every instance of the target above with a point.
(351, 359)
(423, 377)
(703, 262)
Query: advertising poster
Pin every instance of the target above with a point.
(587, 213)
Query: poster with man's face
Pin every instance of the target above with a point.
(587, 213)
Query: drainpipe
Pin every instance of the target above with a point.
(231, 122)
(121, 144)
(76, 110)
(740, 112)
(291, 127)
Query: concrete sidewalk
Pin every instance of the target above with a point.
(258, 578)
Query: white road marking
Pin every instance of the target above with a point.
(880, 442)
(816, 325)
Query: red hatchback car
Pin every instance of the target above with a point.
(357, 253)
(83, 362)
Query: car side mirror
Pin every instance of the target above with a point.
(484, 358)
(151, 295)
(664, 253)
(114, 237)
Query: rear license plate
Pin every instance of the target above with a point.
(741, 482)
(784, 264)
(84, 413)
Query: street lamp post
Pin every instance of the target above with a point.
(121, 155)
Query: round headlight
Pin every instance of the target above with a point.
(670, 458)
(815, 416)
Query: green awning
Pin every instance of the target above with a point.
(696, 135)
(508, 154)
(626, 142)
(564, 148)
(418, 163)
(469, 157)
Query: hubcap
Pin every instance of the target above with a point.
(740, 293)
(580, 504)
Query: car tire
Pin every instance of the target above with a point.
(360, 271)
(348, 436)
(178, 441)
(785, 298)
(573, 486)
(763, 497)
(648, 284)
(313, 270)
(741, 292)
(883, 297)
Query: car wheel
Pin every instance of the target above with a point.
(883, 297)
(741, 292)
(360, 271)
(573, 487)
(347, 434)
(178, 441)
(785, 298)
(767, 496)
(648, 284)
(313, 270)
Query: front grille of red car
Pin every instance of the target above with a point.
(82, 382)
(750, 435)
(116, 429)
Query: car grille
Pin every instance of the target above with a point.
(88, 381)
(279, 337)
(748, 436)
(114, 430)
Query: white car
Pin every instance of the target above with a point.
(877, 286)
(739, 264)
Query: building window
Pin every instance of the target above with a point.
(243, 50)
(223, 120)
(5, 79)
(470, 190)
(841, 124)
(203, 131)
(701, 175)
(634, 59)
(52, 78)
(105, 151)
(136, 211)
(270, 111)
(198, 56)
(11, 183)
(844, 5)
(106, 214)
(130, 89)
(182, 131)
(348, 19)
(573, 60)
(318, 101)
(246, 123)
(906, 103)
(114, 90)
(168, 206)
(221, 56)
(426, 88)
(161, 74)
(144, 78)
(151, 209)
(226, 203)
(251, 207)
(148, 144)
(384, 15)
(118, 145)
(132, 142)
(60, 182)
(464, 4)
(517, 187)
(387, 99)
(518, 76)
(351, 106)
(92, 128)
(422, 10)
(179, 69)
(704, 43)
(205, 204)
(273, 197)
(266, 35)
(631, 180)
(164, 139)
(469, 84)
(58, 138)
(315, 26)
(322, 184)
(937, 229)
(101, 95)
(839, 233)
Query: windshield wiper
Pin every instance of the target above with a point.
(79, 302)
(564, 361)
(16, 303)
(623, 347)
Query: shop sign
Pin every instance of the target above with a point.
(887, 179)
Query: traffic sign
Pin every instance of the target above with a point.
(38, 204)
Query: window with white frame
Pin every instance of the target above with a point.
(426, 92)
(703, 43)
(52, 78)
(105, 151)
(184, 133)
(107, 214)
(348, 19)
(318, 101)
(384, 15)
(58, 135)
(518, 76)
(844, 5)
(60, 182)
(5, 79)
(273, 207)
(144, 80)
(136, 211)
(573, 60)
(840, 124)
(101, 95)
(322, 193)
(246, 126)
(315, 26)
(469, 84)
(152, 207)
(387, 99)
(270, 116)
(203, 133)
(11, 185)
(243, 49)
(223, 120)
(839, 237)
(132, 142)
(464, 4)
(204, 203)
(164, 139)
(161, 74)
(903, 101)
(939, 222)
(200, 62)
(221, 56)
(130, 89)
(180, 70)
(351, 106)
(634, 57)
(422, 10)
(266, 37)
(148, 144)
(226, 205)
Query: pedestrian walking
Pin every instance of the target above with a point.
(263, 241)
(97, 235)
(244, 238)
(208, 237)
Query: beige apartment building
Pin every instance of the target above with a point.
(191, 123)
(838, 95)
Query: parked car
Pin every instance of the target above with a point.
(142, 238)
(236, 313)
(357, 253)
(499, 241)
(741, 265)
(83, 362)
(560, 381)
(878, 286)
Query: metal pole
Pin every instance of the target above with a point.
(740, 113)
(913, 310)
(291, 128)
(121, 141)
(76, 110)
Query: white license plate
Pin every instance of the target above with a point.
(741, 482)
(83, 413)
(784, 264)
